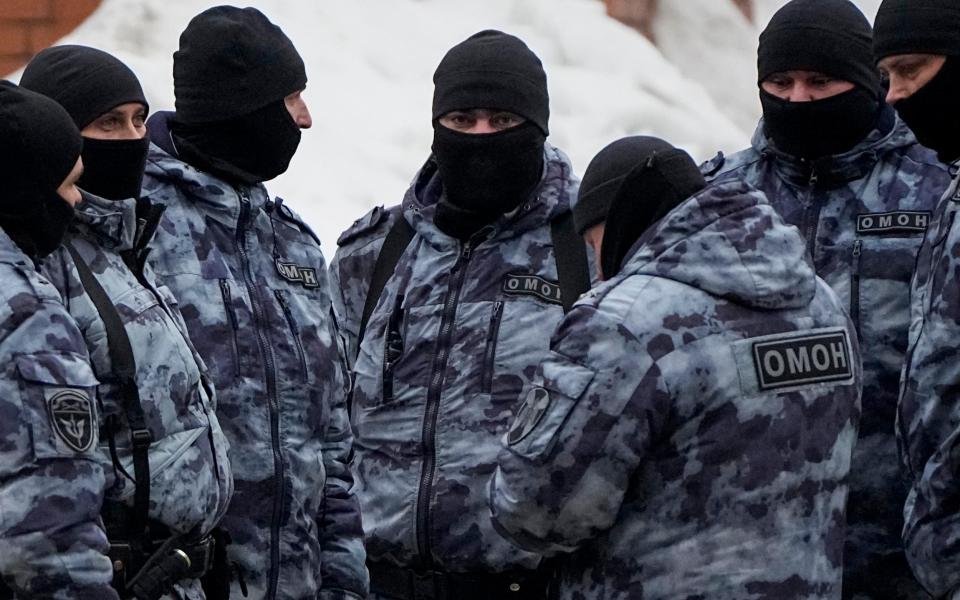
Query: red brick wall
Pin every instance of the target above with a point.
(28, 26)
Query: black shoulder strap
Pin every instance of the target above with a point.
(125, 370)
(397, 240)
(572, 267)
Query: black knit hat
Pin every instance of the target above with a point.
(492, 69)
(917, 27)
(828, 36)
(231, 62)
(606, 172)
(85, 81)
(39, 146)
(659, 181)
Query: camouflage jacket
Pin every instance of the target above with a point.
(190, 480)
(863, 215)
(51, 484)
(252, 286)
(690, 433)
(928, 423)
(454, 338)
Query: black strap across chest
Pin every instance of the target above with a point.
(125, 370)
(568, 248)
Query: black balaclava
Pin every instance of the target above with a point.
(654, 178)
(251, 148)
(488, 175)
(88, 83)
(834, 38)
(231, 74)
(39, 146)
(926, 27)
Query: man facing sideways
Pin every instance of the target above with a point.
(917, 45)
(252, 287)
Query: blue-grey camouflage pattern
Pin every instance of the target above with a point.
(190, 479)
(653, 444)
(863, 214)
(253, 289)
(51, 484)
(455, 336)
(928, 421)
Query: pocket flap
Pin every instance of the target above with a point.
(64, 369)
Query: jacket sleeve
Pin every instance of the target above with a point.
(51, 487)
(582, 430)
(343, 570)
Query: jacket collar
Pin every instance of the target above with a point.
(889, 134)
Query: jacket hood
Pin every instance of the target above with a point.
(889, 134)
(112, 223)
(553, 196)
(10, 252)
(164, 165)
(729, 242)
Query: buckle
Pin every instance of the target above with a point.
(201, 555)
(141, 438)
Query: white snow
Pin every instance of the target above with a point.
(370, 64)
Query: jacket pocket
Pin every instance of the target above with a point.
(59, 393)
(392, 348)
(294, 332)
(490, 351)
(234, 322)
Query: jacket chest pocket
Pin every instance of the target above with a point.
(306, 345)
(60, 403)
(517, 339)
(880, 272)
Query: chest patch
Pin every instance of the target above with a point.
(891, 222)
(804, 359)
(531, 285)
(71, 413)
(294, 273)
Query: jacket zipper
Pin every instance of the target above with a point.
(293, 330)
(491, 350)
(271, 381)
(234, 322)
(855, 285)
(428, 439)
(811, 217)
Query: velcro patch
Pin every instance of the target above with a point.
(71, 412)
(889, 222)
(801, 359)
(294, 273)
(531, 285)
(534, 406)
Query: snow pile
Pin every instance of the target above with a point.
(370, 65)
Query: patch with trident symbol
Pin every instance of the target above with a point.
(71, 412)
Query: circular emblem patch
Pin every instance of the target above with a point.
(534, 406)
(71, 412)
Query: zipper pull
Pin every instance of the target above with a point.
(813, 176)
(857, 245)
